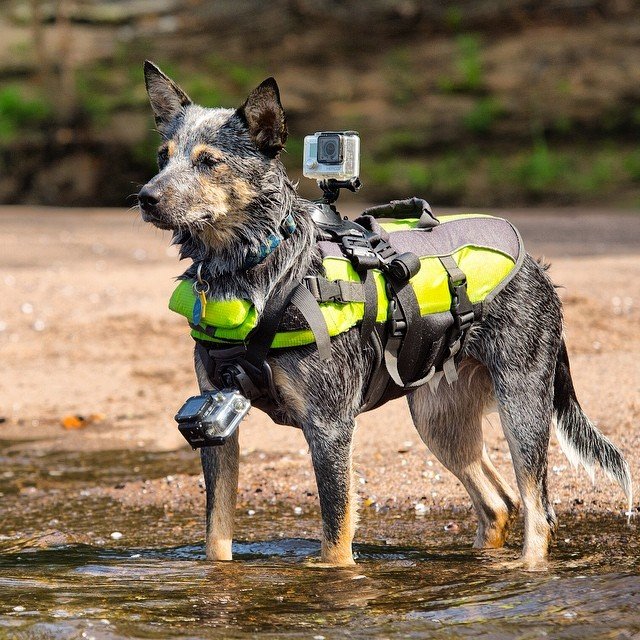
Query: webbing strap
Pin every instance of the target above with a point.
(310, 309)
(462, 312)
(405, 336)
(261, 338)
(370, 307)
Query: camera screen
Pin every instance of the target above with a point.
(192, 408)
(329, 149)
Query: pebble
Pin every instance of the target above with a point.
(421, 509)
(19, 608)
(451, 527)
(405, 446)
(297, 510)
(116, 535)
(26, 308)
(251, 512)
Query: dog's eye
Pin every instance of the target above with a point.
(207, 161)
(163, 158)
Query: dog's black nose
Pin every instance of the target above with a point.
(148, 199)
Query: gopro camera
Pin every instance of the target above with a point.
(332, 155)
(209, 419)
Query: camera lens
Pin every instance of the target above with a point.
(329, 149)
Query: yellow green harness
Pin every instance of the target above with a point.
(464, 261)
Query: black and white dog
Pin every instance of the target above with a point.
(222, 189)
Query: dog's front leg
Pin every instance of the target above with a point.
(330, 447)
(220, 467)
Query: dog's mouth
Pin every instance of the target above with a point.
(154, 218)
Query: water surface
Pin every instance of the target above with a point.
(62, 577)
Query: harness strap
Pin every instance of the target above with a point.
(405, 339)
(261, 338)
(370, 308)
(310, 309)
(462, 312)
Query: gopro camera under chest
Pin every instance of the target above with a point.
(210, 418)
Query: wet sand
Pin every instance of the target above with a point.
(85, 330)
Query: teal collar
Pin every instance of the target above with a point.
(254, 258)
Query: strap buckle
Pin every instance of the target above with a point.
(359, 250)
(397, 321)
(461, 306)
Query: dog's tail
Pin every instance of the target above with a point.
(579, 438)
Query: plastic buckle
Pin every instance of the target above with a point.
(312, 283)
(357, 245)
(397, 323)
(461, 306)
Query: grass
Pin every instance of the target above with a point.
(468, 72)
(482, 177)
(485, 113)
(20, 112)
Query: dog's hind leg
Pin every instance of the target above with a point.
(331, 455)
(450, 423)
(518, 342)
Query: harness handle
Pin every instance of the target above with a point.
(411, 207)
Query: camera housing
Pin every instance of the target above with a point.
(332, 155)
(209, 419)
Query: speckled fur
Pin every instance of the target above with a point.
(222, 190)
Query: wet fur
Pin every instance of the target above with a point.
(223, 191)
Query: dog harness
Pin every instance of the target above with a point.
(412, 286)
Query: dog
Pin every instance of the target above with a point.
(222, 190)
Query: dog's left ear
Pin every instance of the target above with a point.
(264, 116)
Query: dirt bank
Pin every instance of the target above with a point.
(84, 329)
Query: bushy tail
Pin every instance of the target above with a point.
(580, 440)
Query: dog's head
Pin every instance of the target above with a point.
(212, 162)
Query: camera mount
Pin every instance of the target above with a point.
(326, 215)
(331, 188)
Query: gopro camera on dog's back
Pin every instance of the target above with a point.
(332, 154)
(209, 419)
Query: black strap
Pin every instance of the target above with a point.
(463, 316)
(461, 306)
(370, 313)
(404, 343)
(261, 338)
(310, 309)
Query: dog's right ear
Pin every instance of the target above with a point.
(167, 99)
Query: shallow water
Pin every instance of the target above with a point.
(61, 577)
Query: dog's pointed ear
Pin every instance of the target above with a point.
(167, 99)
(265, 118)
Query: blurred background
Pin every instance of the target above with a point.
(472, 103)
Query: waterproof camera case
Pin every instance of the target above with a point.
(209, 419)
(332, 155)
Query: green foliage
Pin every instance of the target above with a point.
(453, 18)
(631, 164)
(19, 113)
(540, 169)
(401, 77)
(469, 64)
(483, 116)
(468, 73)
